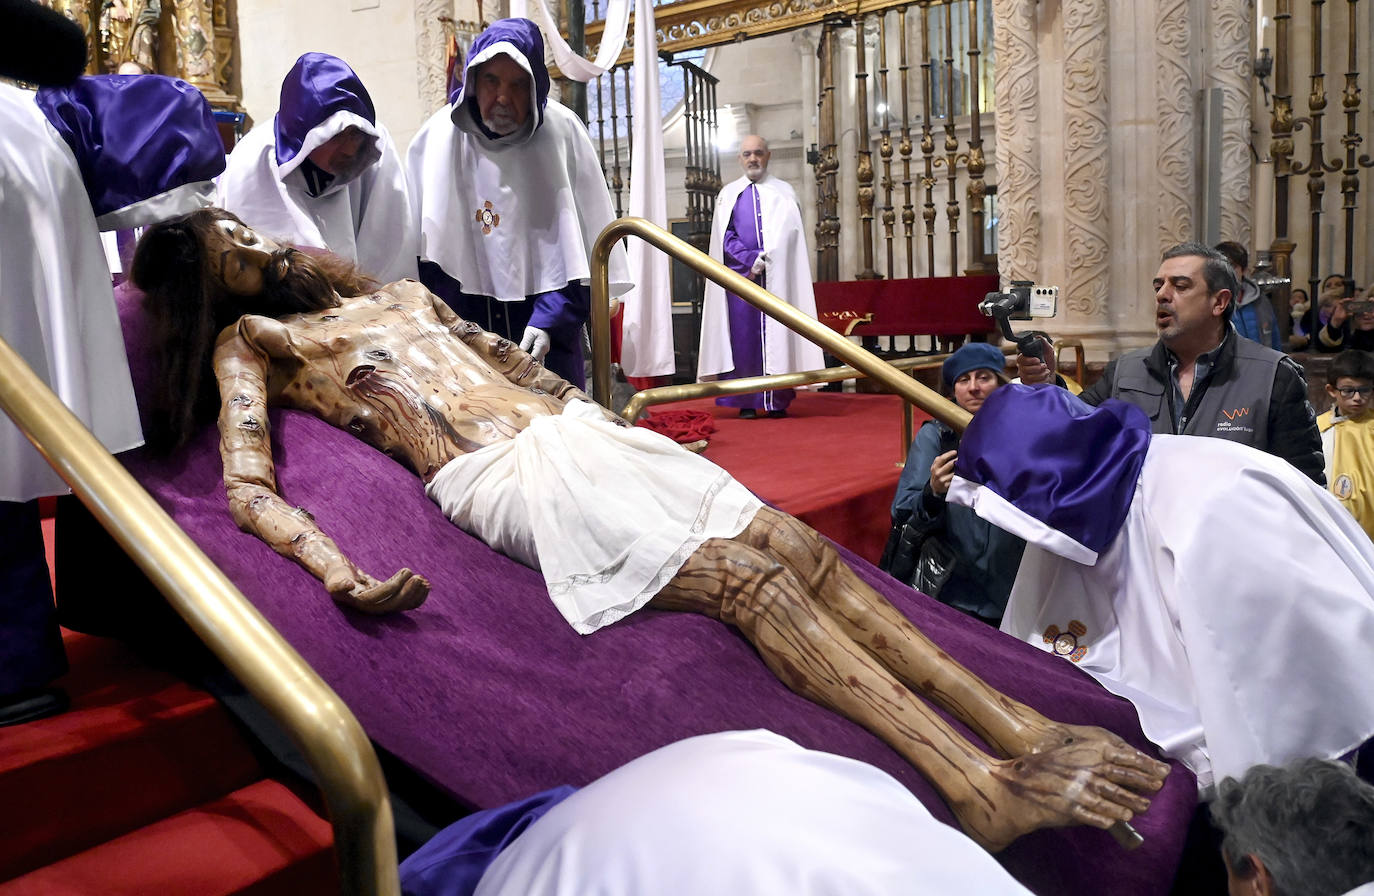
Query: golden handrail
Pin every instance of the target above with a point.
(321, 725)
(926, 399)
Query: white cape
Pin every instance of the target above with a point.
(789, 278)
(366, 219)
(58, 307)
(1235, 609)
(511, 220)
(743, 812)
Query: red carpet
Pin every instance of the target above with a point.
(832, 462)
(146, 786)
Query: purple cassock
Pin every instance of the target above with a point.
(559, 312)
(742, 244)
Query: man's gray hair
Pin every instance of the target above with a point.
(1216, 271)
(1311, 823)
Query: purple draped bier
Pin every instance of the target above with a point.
(743, 241)
(492, 696)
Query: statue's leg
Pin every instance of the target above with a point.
(1009, 726)
(995, 800)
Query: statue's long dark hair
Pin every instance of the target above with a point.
(189, 307)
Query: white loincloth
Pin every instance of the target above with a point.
(607, 513)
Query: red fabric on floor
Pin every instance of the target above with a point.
(832, 462)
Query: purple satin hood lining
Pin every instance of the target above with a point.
(135, 136)
(318, 86)
(1061, 461)
(524, 35)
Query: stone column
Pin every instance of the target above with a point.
(1017, 114)
(804, 42)
(1087, 210)
(1176, 104)
(1230, 26)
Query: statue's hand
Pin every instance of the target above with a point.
(354, 588)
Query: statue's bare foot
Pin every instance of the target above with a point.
(1046, 735)
(1089, 781)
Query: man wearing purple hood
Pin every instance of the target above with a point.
(511, 197)
(325, 173)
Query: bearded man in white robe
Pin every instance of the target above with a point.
(757, 232)
(511, 197)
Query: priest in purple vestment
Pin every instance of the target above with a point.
(757, 232)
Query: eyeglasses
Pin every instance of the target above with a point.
(1362, 391)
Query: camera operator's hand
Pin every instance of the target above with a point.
(1034, 371)
(942, 472)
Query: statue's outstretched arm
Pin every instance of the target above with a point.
(241, 364)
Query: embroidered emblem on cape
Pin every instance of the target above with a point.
(487, 217)
(1065, 643)
(1343, 487)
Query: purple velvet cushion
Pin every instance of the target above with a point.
(489, 694)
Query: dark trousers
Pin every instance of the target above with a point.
(31, 652)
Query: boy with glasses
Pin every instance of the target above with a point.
(1348, 434)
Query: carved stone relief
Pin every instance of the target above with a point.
(1174, 98)
(1086, 161)
(1016, 88)
(1230, 26)
(431, 52)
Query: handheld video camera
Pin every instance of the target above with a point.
(1024, 301)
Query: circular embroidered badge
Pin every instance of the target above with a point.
(487, 217)
(1343, 487)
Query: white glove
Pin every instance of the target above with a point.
(760, 264)
(536, 342)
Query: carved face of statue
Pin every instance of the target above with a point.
(753, 157)
(504, 93)
(1185, 311)
(339, 154)
(239, 258)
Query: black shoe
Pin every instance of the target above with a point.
(748, 413)
(29, 706)
(777, 414)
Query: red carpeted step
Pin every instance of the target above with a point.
(260, 840)
(137, 745)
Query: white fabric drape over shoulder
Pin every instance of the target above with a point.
(56, 303)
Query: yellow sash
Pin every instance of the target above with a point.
(1352, 466)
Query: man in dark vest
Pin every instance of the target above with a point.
(1202, 378)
